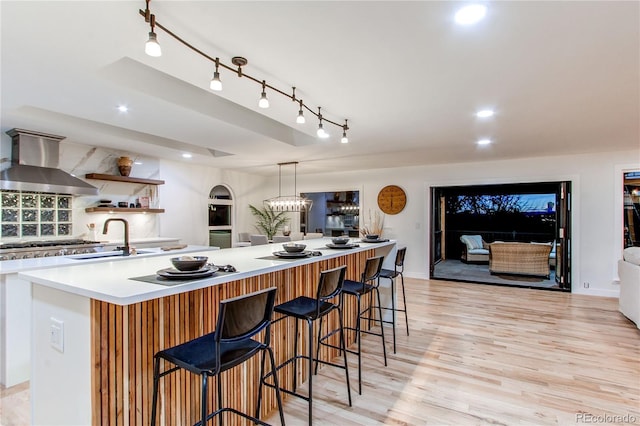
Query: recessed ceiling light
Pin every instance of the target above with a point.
(186, 155)
(484, 141)
(123, 108)
(470, 14)
(485, 113)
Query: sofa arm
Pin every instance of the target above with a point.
(629, 301)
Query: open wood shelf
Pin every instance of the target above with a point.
(121, 210)
(128, 179)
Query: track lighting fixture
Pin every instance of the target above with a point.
(263, 102)
(152, 48)
(216, 84)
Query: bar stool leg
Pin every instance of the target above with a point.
(259, 404)
(272, 360)
(295, 354)
(358, 337)
(219, 383)
(393, 312)
(404, 299)
(156, 379)
(203, 400)
(384, 347)
(343, 349)
(310, 371)
(315, 370)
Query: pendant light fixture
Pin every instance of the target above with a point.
(288, 203)
(152, 48)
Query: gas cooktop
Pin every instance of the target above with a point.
(46, 243)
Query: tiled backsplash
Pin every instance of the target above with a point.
(31, 215)
(35, 214)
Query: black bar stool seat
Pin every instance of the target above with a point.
(305, 308)
(391, 275)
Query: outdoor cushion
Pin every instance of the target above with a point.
(472, 241)
(478, 251)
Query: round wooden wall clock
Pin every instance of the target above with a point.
(392, 199)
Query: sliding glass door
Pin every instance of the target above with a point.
(465, 221)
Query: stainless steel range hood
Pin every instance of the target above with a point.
(34, 166)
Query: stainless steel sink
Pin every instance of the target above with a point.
(115, 253)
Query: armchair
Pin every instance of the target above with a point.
(474, 249)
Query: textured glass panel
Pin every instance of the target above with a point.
(47, 201)
(64, 215)
(9, 199)
(9, 215)
(64, 202)
(9, 230)
(64, 229)
(29, 230)
(29, 215)
(47, 215)
(47, 229)
(29, 201)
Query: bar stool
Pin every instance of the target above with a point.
(398, 269)
(232, 343)
(310, 310)
(368, 284)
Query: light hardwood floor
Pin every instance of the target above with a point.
(478, 355)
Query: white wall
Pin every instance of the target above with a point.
(185, 198)
(596, 246)
(596, 205)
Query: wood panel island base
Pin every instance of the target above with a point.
(96, 331)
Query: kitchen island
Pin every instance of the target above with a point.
(101, 370)
(15, 300)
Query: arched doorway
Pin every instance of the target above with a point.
(220, 212)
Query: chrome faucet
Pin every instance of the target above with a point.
(125, 249)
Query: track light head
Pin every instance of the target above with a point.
(216, 84)
(321, 132)
(152, 47)
(300, 119)
(345, 139)
(263, 102)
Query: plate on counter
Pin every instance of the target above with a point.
(378, 240)
(342, 246)
(288, 255)
(174, 274)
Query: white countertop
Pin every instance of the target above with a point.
(22, 265)
(109, 281)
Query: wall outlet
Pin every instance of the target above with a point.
(56, 334)
(585, 284)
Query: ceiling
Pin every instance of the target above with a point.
(562, 77)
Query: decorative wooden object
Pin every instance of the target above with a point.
(124, 165)
(392, 199)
